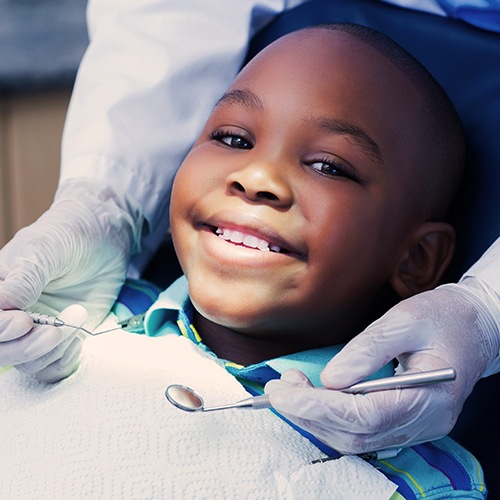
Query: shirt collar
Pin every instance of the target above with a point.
(173, 311)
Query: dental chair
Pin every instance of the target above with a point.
(466, 62)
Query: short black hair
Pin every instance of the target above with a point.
(445, 139)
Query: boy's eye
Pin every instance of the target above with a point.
(333, 168)
(231, 139)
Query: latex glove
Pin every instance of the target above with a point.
(53, 352)
(452, 326)
(77, 252)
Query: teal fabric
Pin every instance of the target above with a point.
(162, 316)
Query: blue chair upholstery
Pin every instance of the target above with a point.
(466, 62)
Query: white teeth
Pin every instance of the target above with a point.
(263, 245)
(249, 240)
(236, 236)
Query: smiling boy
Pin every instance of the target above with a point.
(319, 182)
(316, 194)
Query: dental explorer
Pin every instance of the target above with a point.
(45, 319)
(134, 324)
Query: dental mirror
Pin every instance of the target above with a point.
(187, 399)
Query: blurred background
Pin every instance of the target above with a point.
(41, 45)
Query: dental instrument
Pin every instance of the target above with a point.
(134, 324)
(402, 381)
(187, 399)
(45, 319)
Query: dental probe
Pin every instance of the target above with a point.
(45, 319)
(134, 324)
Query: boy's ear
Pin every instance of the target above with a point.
(427, 255)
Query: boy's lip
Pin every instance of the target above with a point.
(249, 225)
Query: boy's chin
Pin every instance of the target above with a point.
(256, 322)
(238, 319)
(229, 306)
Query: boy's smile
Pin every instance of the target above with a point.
(291, 211)
(247, 237)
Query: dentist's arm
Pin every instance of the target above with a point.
(456, 325)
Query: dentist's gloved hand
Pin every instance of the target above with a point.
(76, 252)
(453, 326)
(54, 352)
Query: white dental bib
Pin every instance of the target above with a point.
(108, 432)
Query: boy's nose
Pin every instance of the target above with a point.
(261, 183)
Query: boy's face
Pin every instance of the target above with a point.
(306, 157)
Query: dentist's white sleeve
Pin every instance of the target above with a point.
(486, 272)
(148, 81)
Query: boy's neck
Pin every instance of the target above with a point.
(248, 349)
(240, 348)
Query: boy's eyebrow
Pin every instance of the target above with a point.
(241, 96)
(335, 126)
(247, 98)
